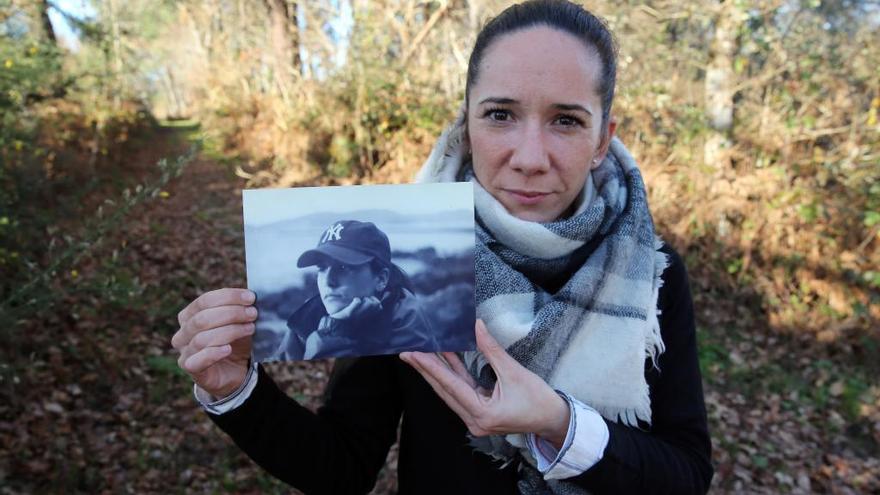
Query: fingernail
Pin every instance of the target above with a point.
(251, 311)
(248, 296)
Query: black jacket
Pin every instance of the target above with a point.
(400, 325)
(342, 447)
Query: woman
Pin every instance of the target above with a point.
(364, 305)
(587, 378)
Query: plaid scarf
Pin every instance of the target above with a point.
(589, 338)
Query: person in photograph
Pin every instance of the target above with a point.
(586, 378)
(365, 304)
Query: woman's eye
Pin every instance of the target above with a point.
(497, 115)
(568, 120)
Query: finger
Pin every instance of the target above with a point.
(185, 353)
(178, 340)
(206, 357)
(369, 305)
(494, 352)
(226, 334)
(219, 297)
(458, 367)
(210, 318)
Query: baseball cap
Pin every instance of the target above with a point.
(350, 242)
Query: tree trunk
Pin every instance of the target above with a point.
(720, 83)
(48, 30)
(117, 81)
(475, 8)
(284, 33)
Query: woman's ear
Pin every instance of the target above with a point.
(605, 143)
(382, 278)
(461, 123)
(465, 134)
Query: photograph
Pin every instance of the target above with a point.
(360, 270)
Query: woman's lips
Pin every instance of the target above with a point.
(526, 197)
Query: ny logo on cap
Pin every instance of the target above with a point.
(334, 233)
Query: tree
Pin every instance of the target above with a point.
(284, 36)
(720, 82)
(47, 31)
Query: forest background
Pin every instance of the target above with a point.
(129, 128)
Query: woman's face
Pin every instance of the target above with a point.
(339, 283)
(534, 121)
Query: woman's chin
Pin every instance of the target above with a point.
(539, 211)
(334, 306)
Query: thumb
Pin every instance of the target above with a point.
(494, 352)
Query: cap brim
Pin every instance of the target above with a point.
(336, 252)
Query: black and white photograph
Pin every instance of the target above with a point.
(360, 270)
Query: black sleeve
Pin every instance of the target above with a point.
(338, 450)
(673, 454)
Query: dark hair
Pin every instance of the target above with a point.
(397, 278)
(558, 14)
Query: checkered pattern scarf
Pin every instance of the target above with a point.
(590, 339)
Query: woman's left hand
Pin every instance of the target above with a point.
(358, 307)
(521, 401)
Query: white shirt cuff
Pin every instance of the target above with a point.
(583, 447)
(233, 400)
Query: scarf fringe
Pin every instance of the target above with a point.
(654, 345)
(628, 416)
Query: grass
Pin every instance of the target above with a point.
(821, 388)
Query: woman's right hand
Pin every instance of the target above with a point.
(215, 339)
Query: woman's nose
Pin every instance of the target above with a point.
(530, 155)
(332, 277)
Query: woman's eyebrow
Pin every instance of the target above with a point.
(572, 106)
(499, 101)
